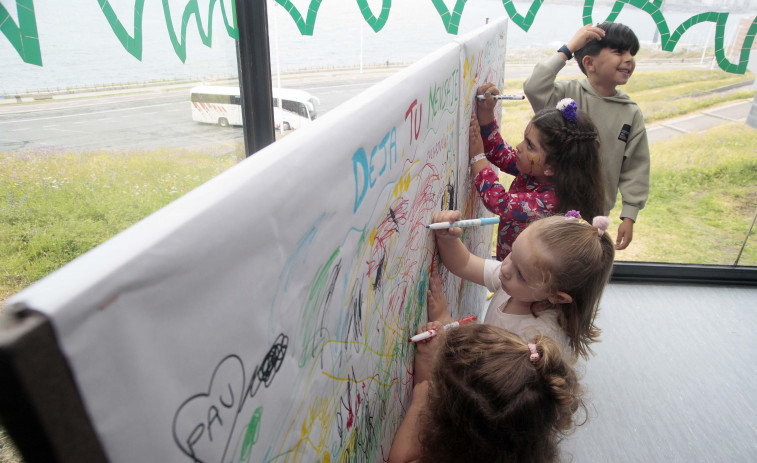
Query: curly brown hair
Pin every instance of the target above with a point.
(573, 154)
(488, 402)
(579, 263)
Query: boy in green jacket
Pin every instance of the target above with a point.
(605, 53)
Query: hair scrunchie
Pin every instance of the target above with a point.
(569, 109)
(534, 353)
(573, 214)
(601, 223)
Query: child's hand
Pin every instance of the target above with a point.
(424, 357)
(475, 142)
(625, 234)
(427, 348)
(437, 303)
(485, 107)
(447, 216)
(585, 35)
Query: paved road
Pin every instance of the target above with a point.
(160, 117)
(142, 119)
(698, 121)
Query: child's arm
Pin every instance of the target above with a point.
(435, 300)
(513, 206)
(497, 151)
(583, 36)
(540, 88)
(485, 107)
(633, 183)
(406, 446)
(455, 256)
(625, 234)
(426, 351)
(476, 147)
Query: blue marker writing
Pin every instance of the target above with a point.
(464, 223)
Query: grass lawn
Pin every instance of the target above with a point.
(56, 206)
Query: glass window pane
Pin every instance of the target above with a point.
(99, 129)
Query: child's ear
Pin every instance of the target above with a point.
(548, 170)
(588, 63)
(560, 297)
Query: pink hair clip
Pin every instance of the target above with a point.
(601, 223)
(572, 214)
(534, 353)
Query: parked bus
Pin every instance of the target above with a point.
(222, 105)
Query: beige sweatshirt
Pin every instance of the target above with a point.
(623, 138)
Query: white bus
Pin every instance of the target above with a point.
(222, 105)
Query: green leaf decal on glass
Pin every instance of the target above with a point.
(22, 36)
(451, 20)
(25, 39)
(376, 23)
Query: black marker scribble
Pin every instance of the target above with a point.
(379, 274)
(204, 423)
(394, 219)
(450, 197)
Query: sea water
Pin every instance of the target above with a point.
(80, 49)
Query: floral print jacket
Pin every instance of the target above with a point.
(524, 202)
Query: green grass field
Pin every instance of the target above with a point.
(56, 205)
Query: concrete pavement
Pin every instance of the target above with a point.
(698, 121)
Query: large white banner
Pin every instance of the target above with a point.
(264, 316)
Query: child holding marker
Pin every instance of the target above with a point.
(550, 284)
(556, 166)
(483, 394)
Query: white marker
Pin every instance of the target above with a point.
(432, 332)
(503, 97)
(464, 223)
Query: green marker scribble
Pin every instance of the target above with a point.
(251, 436)
(22, 36)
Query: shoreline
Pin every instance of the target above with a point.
(517, 57)
(513, 69)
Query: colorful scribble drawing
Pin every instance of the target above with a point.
(348, 362)
(25, 39)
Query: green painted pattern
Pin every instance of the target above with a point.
(25, 39)
(22, 36)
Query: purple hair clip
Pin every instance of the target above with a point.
(568, 108)
(572, 214)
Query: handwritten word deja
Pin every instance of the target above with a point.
(204, 423)
(24, 36)
(369, 168)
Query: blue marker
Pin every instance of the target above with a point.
(503, 97)
(464, 223)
